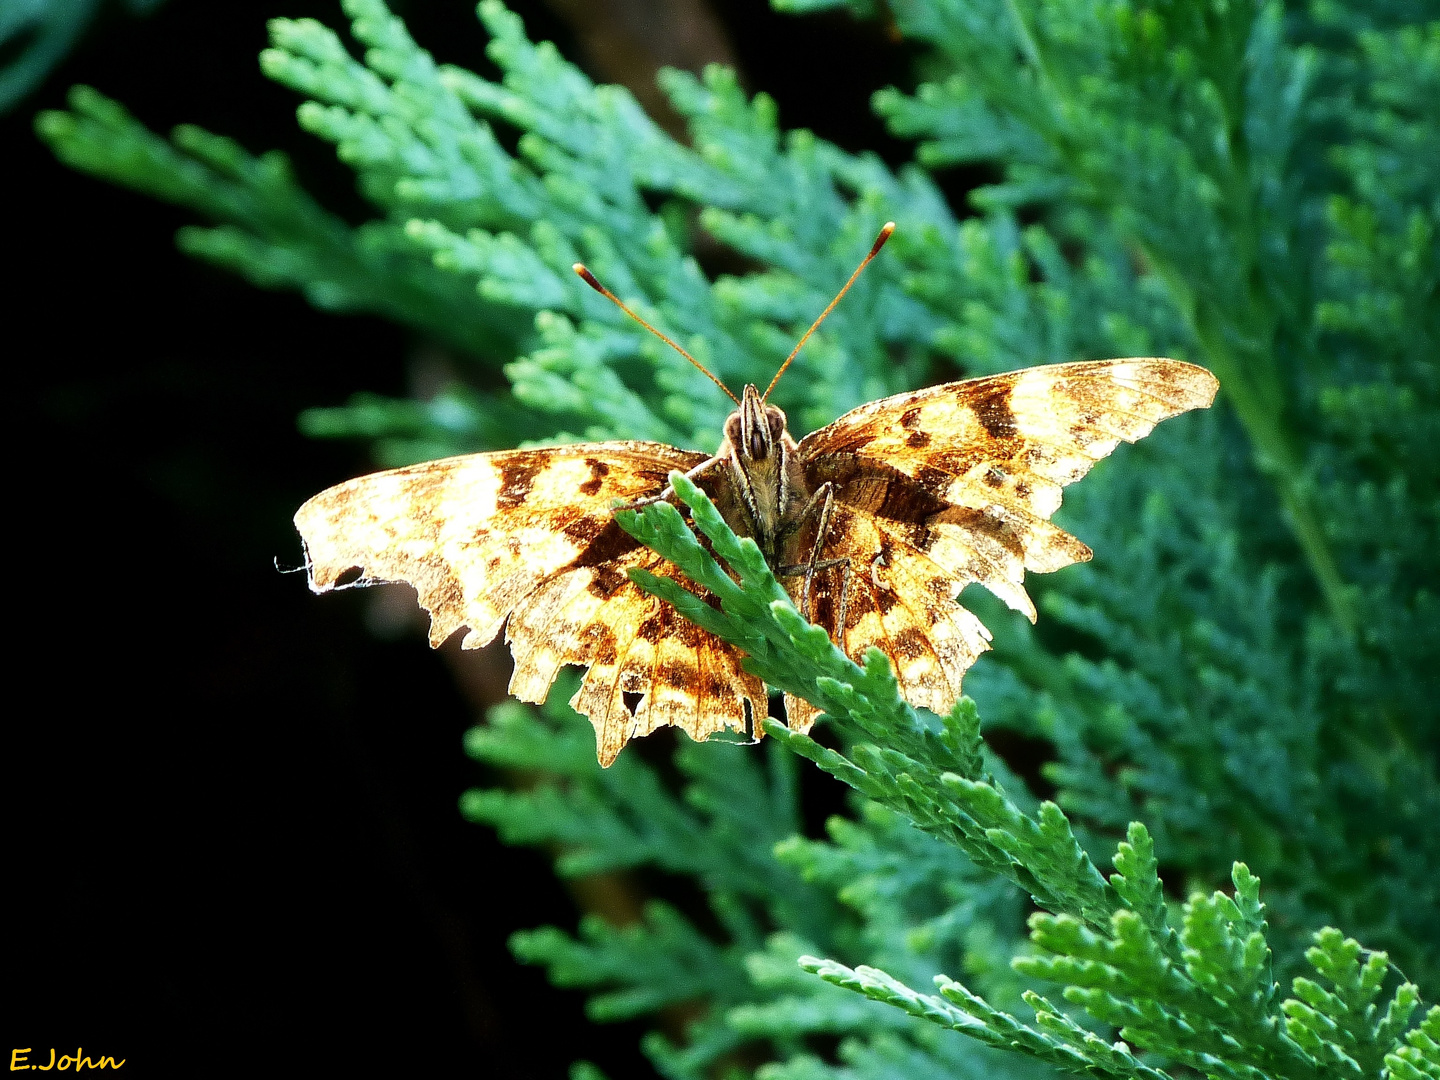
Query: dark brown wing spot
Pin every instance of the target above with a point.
(933, 480)
(917, 439)
(676, 675)
(605, 581)
(994, 476)
(991, 407)
(910, 417)
(661, 625)
(585, 530)
(598, 471)
(517, 478)
(606, 543)
(910, 643)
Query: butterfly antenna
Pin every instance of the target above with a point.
(885, 231)
(591, 280)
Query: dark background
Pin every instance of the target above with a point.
(232, 844)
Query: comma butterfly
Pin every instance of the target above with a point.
(875, 523)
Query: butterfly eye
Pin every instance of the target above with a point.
(732, 428)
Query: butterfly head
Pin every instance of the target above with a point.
(760, 454)
(754, 430)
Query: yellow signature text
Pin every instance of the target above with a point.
(20, 1060)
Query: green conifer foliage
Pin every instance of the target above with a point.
(35, 35)
(1247, 667)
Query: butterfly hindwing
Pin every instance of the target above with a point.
(528, 536)
(891, 565)
(955, 484)
(634, 645)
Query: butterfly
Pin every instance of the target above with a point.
(875, 523)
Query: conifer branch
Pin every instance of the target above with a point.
(902, 762)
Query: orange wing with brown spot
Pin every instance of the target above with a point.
(956, 484)
(528, 536)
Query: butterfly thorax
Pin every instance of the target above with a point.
(762, 459)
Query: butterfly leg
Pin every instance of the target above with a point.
(827, 490)
(809, 572)
(824, 501)
(669, 489)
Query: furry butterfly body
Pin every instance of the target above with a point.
(875, 523)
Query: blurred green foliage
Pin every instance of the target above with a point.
(35, 35)
(1247, 667)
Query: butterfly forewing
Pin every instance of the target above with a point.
(1015, 438)
(529, 535)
